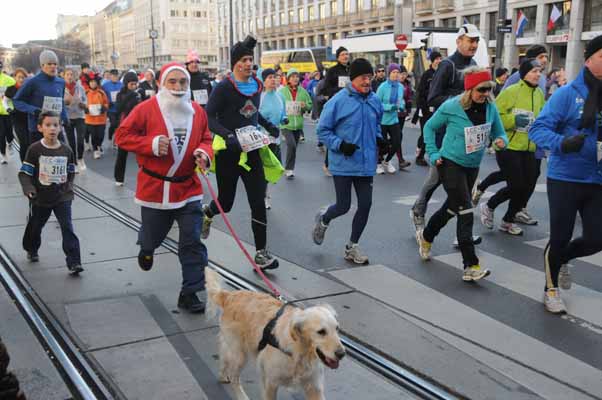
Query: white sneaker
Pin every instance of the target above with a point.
(486, 216)
(564, 277)
(474, 273)
(96, 154)
(118, 184)
(87, 146)
(3, 159)
(81, 165)
(290, 174)
(510, 228)
(354, 255)
(553, 302)
(388, 167)
(424, 247)
(268, 203)
(523, 217)
(379, 169)
(476, 194)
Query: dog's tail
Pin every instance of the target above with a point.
(216, 296)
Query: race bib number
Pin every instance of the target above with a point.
(179, 137)
(599, 152)
(95, 109)
(200, 96)
(52, 170)
(114, 96)
(54, 104)
(293, 108)
(527, 113)
(149, 93)
(250, 138)
(343, 81)
(475, 137)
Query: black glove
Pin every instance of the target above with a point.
(572, 144)
(348, 148)
(232, 142)
(274, 131)
(285, 121)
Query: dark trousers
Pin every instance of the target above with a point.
(399, 151)
(363, 191)
(120, 162)
(23, 136)
(191, 251)
(38, 216)
(227, 172)
(6, 132)
(519, 169)
(75, 135)
(565, 200)
(291, 139)
(392, 134)
(457, 182)
(113, 123)
(492, 179)
(97, 133)
(420, 144)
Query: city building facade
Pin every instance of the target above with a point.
(65, 23)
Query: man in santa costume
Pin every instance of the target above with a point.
(169, 135)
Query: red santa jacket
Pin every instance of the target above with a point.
(139, 132)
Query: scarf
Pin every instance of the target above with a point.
(71, 88)
(593, 103)
(394, 92)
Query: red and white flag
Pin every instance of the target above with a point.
(554, 15)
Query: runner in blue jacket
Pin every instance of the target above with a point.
(570, 128)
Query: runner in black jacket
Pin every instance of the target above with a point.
(423, 111)
(200, 84)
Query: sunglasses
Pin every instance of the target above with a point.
(380, 70)
(484, 89)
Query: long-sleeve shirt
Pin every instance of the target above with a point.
(111, 89)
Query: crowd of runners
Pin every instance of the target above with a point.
(180, 122)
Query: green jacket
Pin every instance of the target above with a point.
(5, 82)
(519, 97)
(295, 122)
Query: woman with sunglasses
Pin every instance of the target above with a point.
(467, 120)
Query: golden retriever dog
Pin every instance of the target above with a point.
(301, 340)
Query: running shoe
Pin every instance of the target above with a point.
(75, 269)
(319, 229)
(424, 247)
(302, 139)
(290, 174)
(33, 256)
(486, 216)
(404, 164)
(265, 260)
(474, 273)
(523, 217)
(191, 303)
(476, 194)
(206, 228)
(118, 184)
(417, 220)
(388, 167)
(380, 170)
(81, 164)
(353, 254)
(145, 262)
(96, 154)
(422, 162)
(3, 159)
(553, 302)
(87, 146)
(564, 277)
(510, 228)
(268, 203)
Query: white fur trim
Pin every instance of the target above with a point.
(168, 206)
(174, 67)
(156, 145)
(201, 151)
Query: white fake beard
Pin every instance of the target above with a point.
(176, 108)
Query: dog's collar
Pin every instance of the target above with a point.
(269, 338)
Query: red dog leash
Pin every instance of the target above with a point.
(231, 229)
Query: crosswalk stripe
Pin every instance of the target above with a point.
(582, 302)
(541, 188)
(409, 200)
(595, 259)
(404, 293)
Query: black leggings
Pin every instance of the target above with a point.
(97, 132)
(457, 182)
(120, 162)
(22, 134)
(392, 134)
(492, 179)
(565, 200)
(363, 191)
(76, 131)
(113, 123)
(227, 172)
(519, 169)
(6, 132)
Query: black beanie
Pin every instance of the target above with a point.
(527, 66)
(85, 65)
(535, 50)
(501, 71)
(434, 55)
(594, 45)
(267, 72)
(360, 66)
(130, 76)
(340, 50)
(242, 49)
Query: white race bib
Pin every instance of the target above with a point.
(114, 96)
(200, 96)
(475, 137)
(95, 109)
(250, 138)
(52, 170)
(149, 93)
(599, 148)
(54, 104)
(293, 108)
(180, 137)
(529, 114)
(343, 81)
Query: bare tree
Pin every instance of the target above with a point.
(69, 50)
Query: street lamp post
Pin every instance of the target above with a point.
(231, 33)
(153, 35)
(499, 39)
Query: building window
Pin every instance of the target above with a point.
(492, 16)
(428, 24)
(474, 19)
(281, 17)
(448, 22)
(312, 14)
(373, 4)
(291, 43)
(301, 42)
(333, 8)
(185, 13)
(346, 7)
(174, 13)
(561, 25)
(322, 10)
(592, 17)
(265, 22)
(311, 42)
(531, 14)
(301, 13)
(291, 16)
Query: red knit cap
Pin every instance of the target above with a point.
(475, 78)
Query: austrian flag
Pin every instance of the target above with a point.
(554, 15)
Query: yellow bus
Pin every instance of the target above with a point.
(303, 60)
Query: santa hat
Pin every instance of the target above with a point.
(192, 56)
(167, 68)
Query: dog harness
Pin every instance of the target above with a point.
(268, 337)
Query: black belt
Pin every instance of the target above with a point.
(176, 179)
